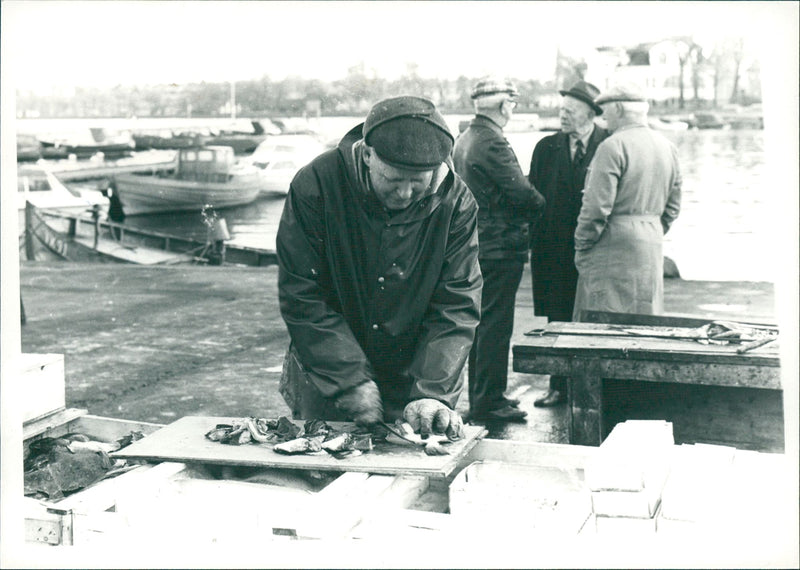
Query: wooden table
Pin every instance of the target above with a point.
(711, 393)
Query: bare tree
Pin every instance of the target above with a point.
(737, 55)
(687, 50)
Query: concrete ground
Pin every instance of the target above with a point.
(158, 343)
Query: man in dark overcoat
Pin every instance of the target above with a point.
(558, 169)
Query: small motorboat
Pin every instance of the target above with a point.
(101, 141)
(161, 139)
(709, 121)
(667, 124)
(28, 148)
(279, 158)
(205, 176)
(242, 140)
(39, 186)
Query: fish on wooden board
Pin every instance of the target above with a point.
(317, 435)
(254, 430)
(299, 445)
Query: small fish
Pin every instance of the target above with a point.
(255, 431)
(339, 442)
(316, 427)
(245, 437)
(299, 445)
(93, 446)
(218, 433)
(232, 437)
(432, 445)
(286, 429)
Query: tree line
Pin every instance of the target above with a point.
(354, 93)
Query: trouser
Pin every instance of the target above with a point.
(488, 359)
(559, 383)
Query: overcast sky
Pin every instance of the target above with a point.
(104, 43)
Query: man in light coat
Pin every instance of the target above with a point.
(631, 198)
(379, 282)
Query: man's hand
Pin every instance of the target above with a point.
(428, 415)
(362, 403)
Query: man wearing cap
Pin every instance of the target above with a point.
(378, 281)
(506, 204)
(558, 169)
(632, 196)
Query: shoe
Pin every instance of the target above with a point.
(504, 414)
(551, 398)
(513, 402)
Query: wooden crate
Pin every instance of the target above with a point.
(167, 502)
(80, 517)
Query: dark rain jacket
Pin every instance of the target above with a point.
(506, 201)
(553, 238)
(366, 295)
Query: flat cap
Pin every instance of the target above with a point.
(408, 132)
(623, 92)
(493, 86)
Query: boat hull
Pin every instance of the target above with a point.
(59, 235)
(151, 194)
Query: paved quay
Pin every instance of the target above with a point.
(158, 343)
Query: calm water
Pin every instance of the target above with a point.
(723, 232)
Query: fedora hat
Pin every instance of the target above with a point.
(586, 92)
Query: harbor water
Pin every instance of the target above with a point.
(725, 231)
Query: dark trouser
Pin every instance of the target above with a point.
(559, 383)
(553, 282)
(488, 359)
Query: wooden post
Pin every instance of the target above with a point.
(96, 221)
(585, 403)
(30, 253)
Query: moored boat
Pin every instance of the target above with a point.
(78, 236)
(100, 141)
(28, 148)
(43, 189)
(279, 158)
(243, 141)
(200, 177)
(167, 139)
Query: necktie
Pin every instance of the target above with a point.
(578, 152)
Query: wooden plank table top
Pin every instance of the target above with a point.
(639, 342)
(184, 441)
(589, 353)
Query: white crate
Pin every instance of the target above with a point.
(535, 498)
(42, 387)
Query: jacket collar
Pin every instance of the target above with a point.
(485, 121)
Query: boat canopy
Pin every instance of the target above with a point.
(207, 164)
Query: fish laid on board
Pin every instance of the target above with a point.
(318, 436)
(254, 430)
(338, 444)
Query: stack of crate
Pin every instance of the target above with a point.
(628, 474)
(699, 488)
